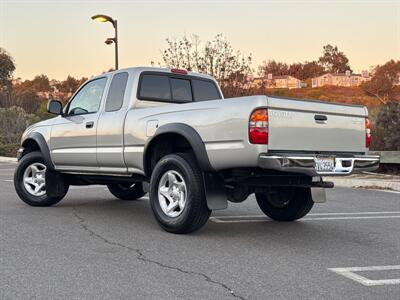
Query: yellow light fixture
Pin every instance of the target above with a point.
(100, 19)
(103, 19)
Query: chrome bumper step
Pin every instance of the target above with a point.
(344, 165)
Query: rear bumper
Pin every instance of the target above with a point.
(304, 163)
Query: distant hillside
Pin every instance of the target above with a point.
(349, 95)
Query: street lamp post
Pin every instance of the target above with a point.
(109, 41)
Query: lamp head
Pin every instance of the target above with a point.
(109, 41)
(103, 19)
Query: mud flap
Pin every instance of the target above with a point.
(146, 187)
(318, 194)
(55, 184)
(215, 191)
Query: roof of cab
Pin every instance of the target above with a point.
(152, 69)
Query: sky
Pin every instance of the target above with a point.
(58, 38)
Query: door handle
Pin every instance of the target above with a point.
(320, 118)
(89, 124)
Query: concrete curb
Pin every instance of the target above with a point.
(8, 159)
(359, 182)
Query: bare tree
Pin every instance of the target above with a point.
(216, 58)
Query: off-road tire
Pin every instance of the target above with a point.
(44, 200)
(127, 192)
(298, 203)
(196, 213)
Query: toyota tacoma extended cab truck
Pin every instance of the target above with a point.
(172, 134)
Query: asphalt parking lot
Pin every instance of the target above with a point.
(93, 246)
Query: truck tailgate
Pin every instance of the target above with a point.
(296, 125)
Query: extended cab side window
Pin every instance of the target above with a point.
(204, 90)
(88, 99)
(116, 93)
(155, 87)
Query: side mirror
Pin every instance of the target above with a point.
(54, 107)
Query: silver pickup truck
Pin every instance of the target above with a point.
(172, 134)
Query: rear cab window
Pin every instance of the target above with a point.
(154, 87)
(181, 90)
(176, 88)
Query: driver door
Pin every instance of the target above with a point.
(73, 136)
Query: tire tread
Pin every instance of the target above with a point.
(299, 206)
(198, 213)
(45, 200)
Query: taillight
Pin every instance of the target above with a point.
(368, 136)
(258, 127)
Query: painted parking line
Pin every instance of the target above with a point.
(311, 217)
(356, 213)
(265, 219)
(386, 191)
(352, 218)
(351, 273)
(325, 214)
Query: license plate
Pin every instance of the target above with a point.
(324, 163)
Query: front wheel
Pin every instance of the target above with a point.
(177, 194)
(30, 181)
(285, 203)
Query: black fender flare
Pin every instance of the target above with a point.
(213, 183)
(191, 135)
(44, 148)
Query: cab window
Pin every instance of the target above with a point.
(88, 98)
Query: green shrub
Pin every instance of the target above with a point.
(9, 150)
(42, 111)
(386, 130)
(13, 121)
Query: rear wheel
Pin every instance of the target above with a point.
(30, 181)
(177, 194)
(127, 191)
(285, 203)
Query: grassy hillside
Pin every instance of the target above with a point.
(353, 95)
